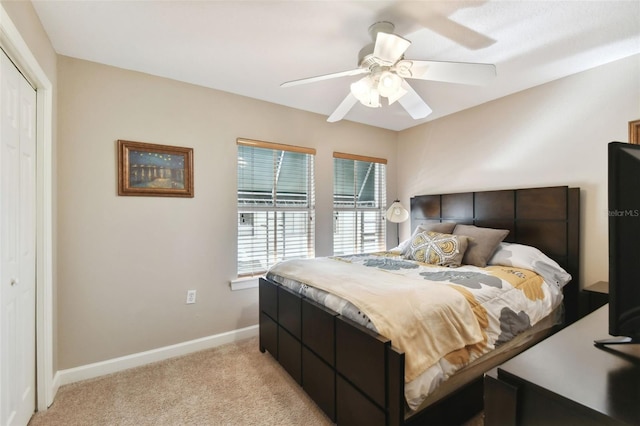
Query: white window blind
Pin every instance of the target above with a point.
(359, 199)
(275, 204)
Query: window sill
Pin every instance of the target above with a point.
(244, 283)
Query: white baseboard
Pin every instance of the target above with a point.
(89, 371)
(55, 385)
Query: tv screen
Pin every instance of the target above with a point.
(624, 242)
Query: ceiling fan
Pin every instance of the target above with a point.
(386, 72)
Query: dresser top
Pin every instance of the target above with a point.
(606, 380)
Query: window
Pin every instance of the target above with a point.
(275, 204)
(359, 199)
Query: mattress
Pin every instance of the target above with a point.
(506, 301)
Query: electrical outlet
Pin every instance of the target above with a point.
(191, 296)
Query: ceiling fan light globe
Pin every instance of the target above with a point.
(365, 90)
(360, 89)
(389, 84)
(373, 100)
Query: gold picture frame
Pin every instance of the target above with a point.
(146, 169)
(634, 132)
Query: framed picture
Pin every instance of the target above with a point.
(147, 169)
(634, 132)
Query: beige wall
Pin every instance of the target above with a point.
(24, 17)
(554, 134)
(126, 263)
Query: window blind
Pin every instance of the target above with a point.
(359, 198)
(275, 204)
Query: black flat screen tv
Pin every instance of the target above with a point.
(624, 243)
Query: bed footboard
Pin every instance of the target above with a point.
(352, 373)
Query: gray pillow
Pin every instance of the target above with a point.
(441, 227)
(483, 242)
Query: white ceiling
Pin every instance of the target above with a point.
(251, 47)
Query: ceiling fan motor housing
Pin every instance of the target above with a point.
(380, 27)
(365, 56)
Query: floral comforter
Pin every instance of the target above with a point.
(504, 301)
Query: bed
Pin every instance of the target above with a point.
(357, 375)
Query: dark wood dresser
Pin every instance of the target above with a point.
(567, 380)
(594, 297)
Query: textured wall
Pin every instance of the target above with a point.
(553, 134)
(125, 263)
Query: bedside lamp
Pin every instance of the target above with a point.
(396, 214)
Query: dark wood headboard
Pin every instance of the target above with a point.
(546, 218)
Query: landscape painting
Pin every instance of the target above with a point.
(154, 170)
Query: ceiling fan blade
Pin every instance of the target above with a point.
(342, 110)
(462, 35)
(356, 71)
(412, 16)
(390, 47)
(413, 103)
(450, 72)
(395, 96)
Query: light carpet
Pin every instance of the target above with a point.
(233, 384)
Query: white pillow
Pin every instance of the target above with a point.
(527, 257)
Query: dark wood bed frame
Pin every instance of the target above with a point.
(356, 376)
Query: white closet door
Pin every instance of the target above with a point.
(18, 245)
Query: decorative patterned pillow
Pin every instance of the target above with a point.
(484, 242)
(427, 225)
(438, 249)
